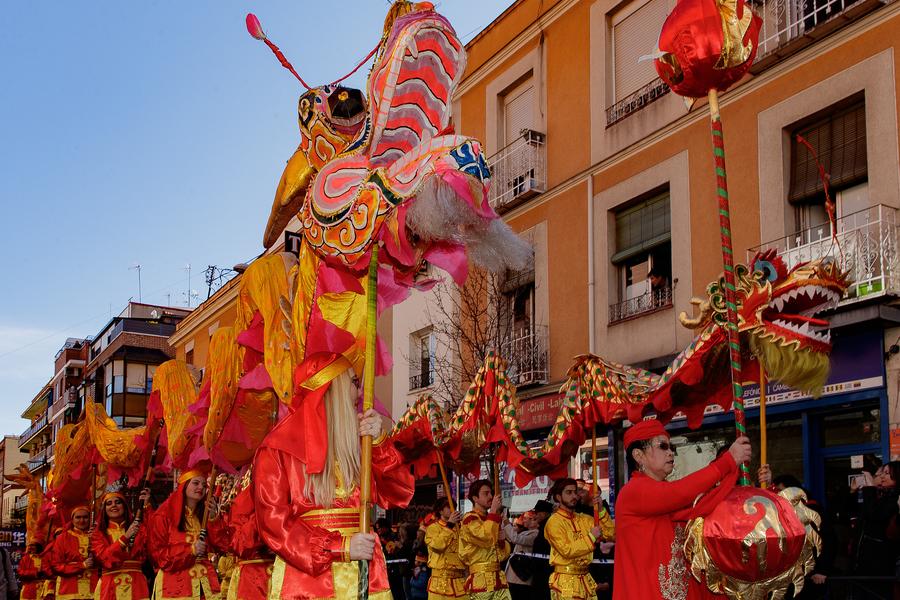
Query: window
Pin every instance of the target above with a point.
(643, 257)
(838, 138)
(517, 303)
(635, 35)
(517, 105)
(189, 356)
(421, 363)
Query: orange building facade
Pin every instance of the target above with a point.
(611, 177)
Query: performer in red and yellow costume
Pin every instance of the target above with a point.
(306, 487)
(29, 572)
(448, 573)
(238, 534)
(482, 546)
(572, 537)
(71, 560)
(119, 556)
(185, 572)
(651, 513)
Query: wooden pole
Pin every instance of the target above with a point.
(365, 442)
(594, 489)
(210, 481)
(763, 450)
(440, 462)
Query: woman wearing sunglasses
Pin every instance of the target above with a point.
(120, 546)
(651, 513)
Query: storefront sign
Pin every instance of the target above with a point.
(13, 540)
(856, 364)
(895, 443)
(539, 412)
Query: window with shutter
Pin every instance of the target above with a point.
(839, 141)
(633, 37)
(518, 111)
(643, 257)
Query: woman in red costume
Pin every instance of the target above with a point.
(119, 556)
(306, 487)
(237, 533)
(29, 572)
(651, 513)
(71, 559)
(185, 572)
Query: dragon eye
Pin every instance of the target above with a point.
(770, 273)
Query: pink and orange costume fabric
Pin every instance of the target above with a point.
(120, 561)
(312, 542)
(181, 575)
(238, 531)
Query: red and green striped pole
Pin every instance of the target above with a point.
(734, 344)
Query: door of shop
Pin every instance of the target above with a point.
(842, 443)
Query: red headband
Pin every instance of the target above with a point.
(643, 431)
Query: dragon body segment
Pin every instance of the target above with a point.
(778, 327)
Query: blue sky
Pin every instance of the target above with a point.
(153, 133)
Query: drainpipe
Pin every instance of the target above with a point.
(590, 250)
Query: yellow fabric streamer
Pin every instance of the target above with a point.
(265, 288)
(224, 371)
(177, 390)
(116, 446)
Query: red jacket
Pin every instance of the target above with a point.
(650, 516)
(122, 576)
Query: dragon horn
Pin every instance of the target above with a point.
(254, 28)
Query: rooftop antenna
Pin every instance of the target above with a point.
(188, 269)
(137, 267)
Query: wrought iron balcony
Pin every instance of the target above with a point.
(635, 101)
(526, 354)
(649, 302)
(788, 25)
(518, 171)
(418, 379)
(33, 430)
(864, 242)
(40, 459)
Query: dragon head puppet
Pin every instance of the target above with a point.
(387, 168)
(779, 326)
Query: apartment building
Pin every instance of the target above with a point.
(123, 357)
(11, 456)
(611, 177)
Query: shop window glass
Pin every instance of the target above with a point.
(858, 426)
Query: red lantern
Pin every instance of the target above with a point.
(754, 542)
(707, 45)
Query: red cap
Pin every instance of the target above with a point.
(645, 430)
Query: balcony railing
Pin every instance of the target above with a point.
(864, 243)
(526, 356)
(635, 101)
(39, 460)
(788, 25)
(32, 430)
(420, 380)
(518, 171)
(652, 301)
(21, 503)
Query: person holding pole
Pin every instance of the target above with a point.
(71, 560)
(448, 573)
(651, 513)
(482, 544)
(120, 547)
(177, 546)
(306, 487)
(572, 536)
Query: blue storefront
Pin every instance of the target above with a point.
(822, 441)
